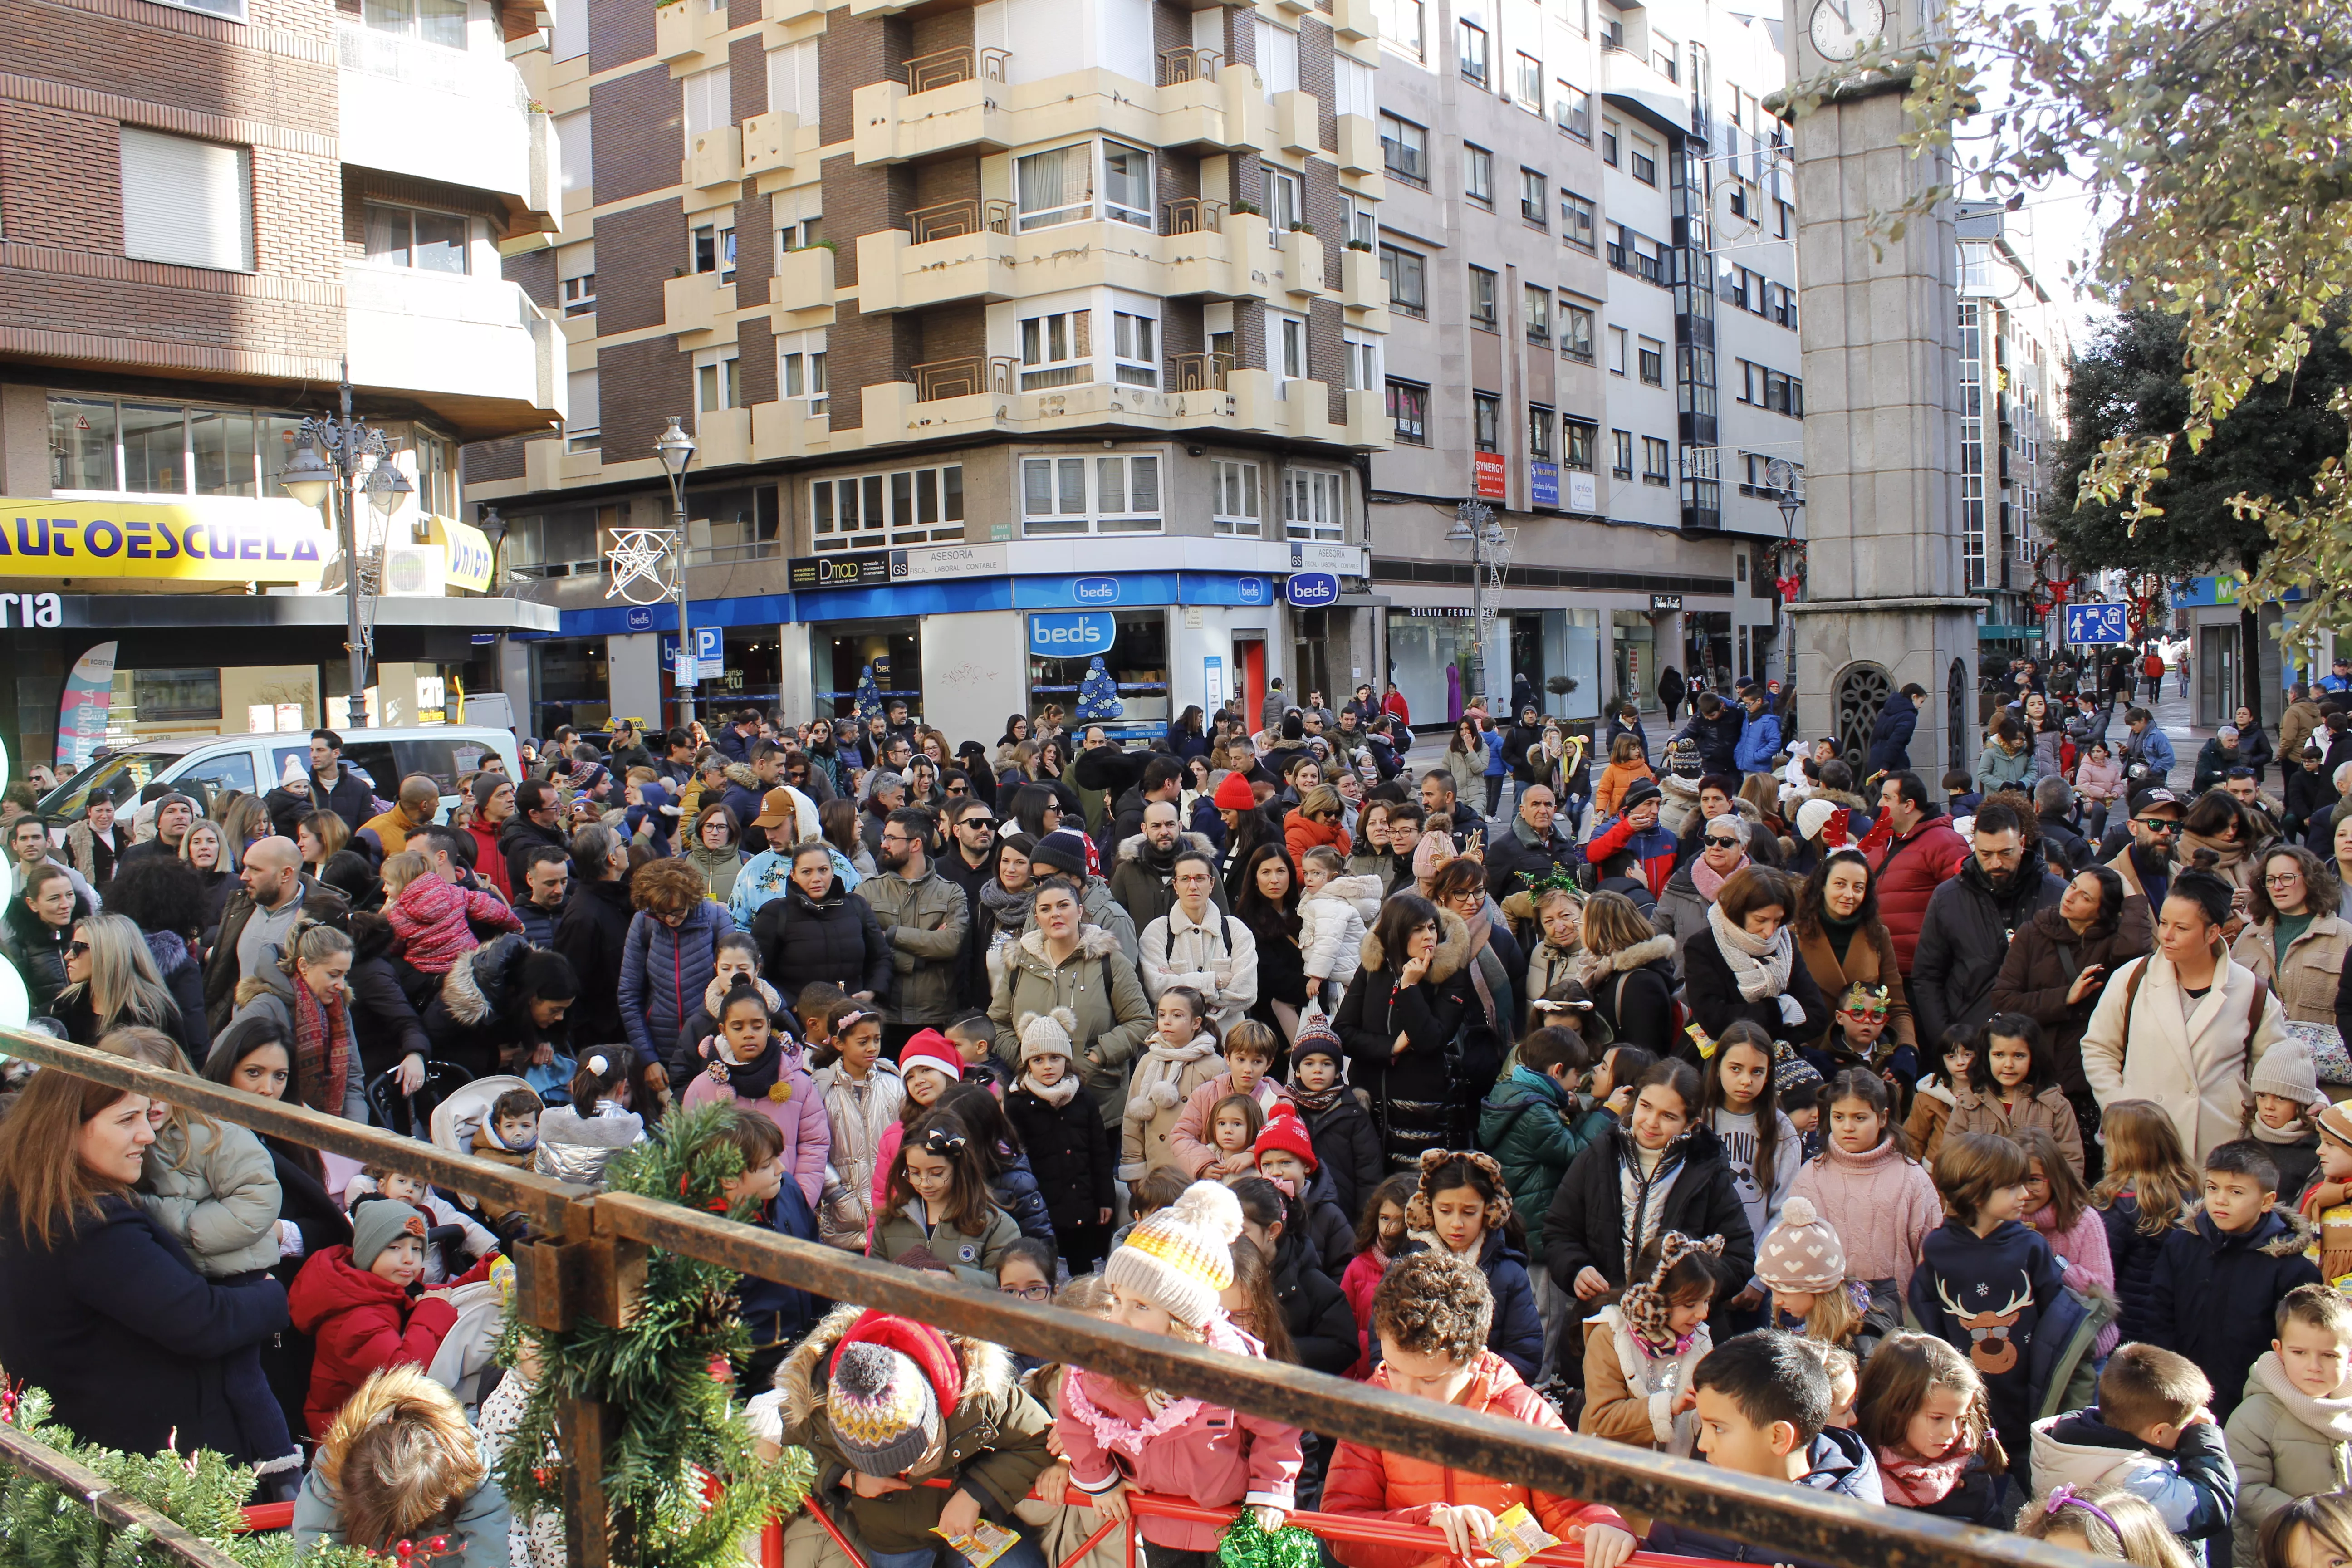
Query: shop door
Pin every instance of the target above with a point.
(2216, 652)
(1526, 663)
(1249, 672)
(1311, 651)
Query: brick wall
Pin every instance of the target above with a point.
(640, 121)
(618, 34)
(1320, 198)
(488, 460)
(954, 331)
(859, 51)
(861, 350)
(641, 385)
(636, 250)
(535, 271)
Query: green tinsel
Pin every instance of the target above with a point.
(1249, 1544)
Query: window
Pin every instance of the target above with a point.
(1471, 48)
(1608, 132)
(146, 448)
(1362, 352)
(1621, 454)
(1314, 505)
(1058, 188)
(1482, 299)
(173, 696)
(1740, 206)
(1784, 305)
(1286, 344)
(1653, 362)
(709, 102)
(1404, 148)
(1571, 109)
(1787, 217)
(1070, 494)
(1057, 349)
(441, 22)
(1405, 272)
(411, 238)
(1576, 332)
(1539, 424)
(718, 382)
(1355, 88)
(1284, 210)
(1655, 457)
(907, 506)
(1735, 292)
(713, 249)
(1485, 421)
(1534, 206)
(574, 137)
(1583, 436)
(1784, 395)
(1646, 161)
(1409, 410)
(800, 369)
(1537, 311)
(1478, 173)
(1529, 85)
(1277, 57)
(1359, 223)
(582, 425)
(799, 236)
(1135, 354)
(185, 202)
(1401, 26)
(1619, 343)
(792, 80)
(1234, 497)
(1127, 185)
(575, 268)
(1577, 221)
(1665, 54)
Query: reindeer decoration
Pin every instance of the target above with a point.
(1990, 1346)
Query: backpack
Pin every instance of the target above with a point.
(2253, 1014)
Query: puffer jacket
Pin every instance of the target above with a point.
(215, 1188)
(1315, 1311)
(834, 938)
(476, 1019)
(2285, 1445)
(363, 1323)
(2192, 1487)
(1099, 987)
(1299, 836)
(793, 1104)
(1377, 1009)
(1907, 872)
(1964, 938)
(1588, 1226)
(1333, 923)
(1145, 889)
(663, 972)
(1468, 769)
(1632, 992)
(2214, 1294)
(1999, 768)
(1069, 1152)
(2305, 984)
(1536, 1130)
(577, 1148)
(1403, 1488)
(1682, 915)
(924, 920)
(2132, 1252)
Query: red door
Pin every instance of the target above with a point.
(1249, 662)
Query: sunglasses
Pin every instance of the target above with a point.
(1712, 842)
(76, 948)
(2158, 823)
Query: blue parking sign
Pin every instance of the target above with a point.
(2091, 624)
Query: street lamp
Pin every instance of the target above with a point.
(676, 448)
(1475, 525)
(1787, 558)
(328, 455)
(494, 531)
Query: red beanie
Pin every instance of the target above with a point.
(929, 1049)
(919, 1343)
(1235, 794)
(1285, 1131)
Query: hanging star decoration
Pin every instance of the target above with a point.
(636, 556)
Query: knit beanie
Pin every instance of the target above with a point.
(1789, 1069)
(487, 785)
(929, 1049)
(1063, 850)
(377, 1224)
(1682, 758)
(1233, 795)
(888, 1388)
(1826, 821)
(1048, 1035)
(2287, 1070)
(2335, 1122)
(1317, 1038)
(1802, 1253)
(294, 777)
(1284, 1132)
(1180, 1258)
(1635, 793)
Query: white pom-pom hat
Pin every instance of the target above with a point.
(1180, 1259)
(1048, 1035)
(1802, 1253)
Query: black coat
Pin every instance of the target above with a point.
(1070, 1154)
(518, 838)
(1890, 737)
(1962, 942)
(1376, 1009)
(591, 935)
(481, 1020)
(2254, 750)
(1321, 1324)
(384, 1016)
(2214, 1297)
(71, 1008)
(804, 941)
(1516, 858)
(131, 1342)
(1584, 1227)
(1637, 1003)
(1718, 738)
(1347, 1151)
(350, 799)
(1715, 1002)
(39, 949)
(2134, 1253)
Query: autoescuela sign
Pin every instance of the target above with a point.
(224, 540)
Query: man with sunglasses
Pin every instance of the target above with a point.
(2148, 862)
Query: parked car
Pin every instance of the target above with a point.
(254, 764)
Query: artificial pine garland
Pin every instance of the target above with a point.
(1249, 1544)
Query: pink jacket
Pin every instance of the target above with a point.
(800, 1117)
(1216, 1457)
(1881, 1205)
(2084, 1251)
(2093, 782)
(431, 918)
(1359, 1283)
(1188, 1140)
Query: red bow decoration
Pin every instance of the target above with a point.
(1789, 587)
(1836, 831)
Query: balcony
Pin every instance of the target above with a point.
(970, 251)
(1369, 426)
(936, 380)
(973, 395)
(1298, 124)
(782, 17)
(785, 428)
(722, 437)
(771, 142)
(1178, 66)
(699, 308)
(716, 159)
(801, 294)
(948, 102)
(474, 350)
(453, 116)
(1355, 21)
(1302, 263)
(1363, 293)
(1632, 82)
(689, 36)
(1191, 214)
(1360, 152)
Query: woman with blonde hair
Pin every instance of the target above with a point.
(321, 836)
(111, 980)
(1628, 969)
(206, 847)
(306, 994)
(401, 1466)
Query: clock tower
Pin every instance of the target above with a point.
(1886, 601)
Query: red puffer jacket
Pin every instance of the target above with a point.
(1299, 836)
(1403, 1488)
(1907, 872)
(361, 1323)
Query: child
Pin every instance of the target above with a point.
(577, 1139)
(1285, 1159)
(814, 1004)
(1147, 1197)
(398, 1465)
(863, 1097)
(1939, 1090)
(354, 1303)
(974, 1038)
(928, 1065)
(1989, 1285)
(1347, 1143)
(1921, 1407)
(2152, 1434)
(938, 1213)
(1758, 1141)
(1639, 1353)
(535, 1539)
(1026, 1270)
(1334, 911)
(1250, 1049)
(1763, 1405)
(1800, 1102)
(1165, 1280)
(472, 1240)
(1250, 1301)
(1620, 1067)
(433, 920)
(761, 1193)
(2108, 1522)
(2217, 1283)
(2292, 1434)
(1866, 1185)
(1379, 1236)
(1858, 1036)
(1802, 1264)
(1845, 1381)
(1060, 1125)
(1626, 763)
(2012, 1085)
(1234, 1123)
(2327, 1205)
(2059, 1206)
(757, 1067)
(1431, 1316)
(1318, 1325)
(1960, 799)
(2287, 1097)
(509, 1134)
(2145, 1195)
(1462, 1207)
(1180, 1056)
(1536, 1124)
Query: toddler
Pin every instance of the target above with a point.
(1234, 1122)
(1250, 1051)
(433, 920)
(439, 1213)
(2327, 1205)
(355, 1303)
(2282, 1115)
(509, 1132)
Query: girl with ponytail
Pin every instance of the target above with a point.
(576, 1141)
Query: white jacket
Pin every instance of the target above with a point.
(1218, 959)
(2086, 1466)
(1333, 923)
(2197, 1067)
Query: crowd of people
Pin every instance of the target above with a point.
(1959, 1149)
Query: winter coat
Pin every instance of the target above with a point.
(1986, 1297)
(270, 993)
(2195, 1069)
(1632, 992)
(664, 971)
(1613, 781)
(2043, 960)
(1164, 1078)
(2214, 762)
(518, 837)
(2285, 1445)
(1681, 914)
(1333, 923)
(478, 1020)
(1097, 984)
(1189, 1143)
(39, 950)
(1712, 992)
(993, 1442)
(2296, 726)
(1999, 768)
(1468, 769)
(1963, 938)
(97, 859)
(1409, 1090)
(2132, 1254)
(1759, 751)
(215, 1189)
(1587, 1225)
(361, 1323)
(1314, 1312)
(1982, 1113)
(1718, 738)
(1299, 836)
(971, 1256)
(1890, 736)
(592, 934)
(1069, 1154)
(718, 868)
(1146, 891)
(1869, 960)
(1535, 1129)
(1518, 857)
(925, 920)
(1218, 958)
(478, 1533)
(1628, 1395)
(1839, 1462)
(2214, 1295)
(1346, 1151)
(1653, 850)
(834, 938)
(2095, 781)
(2305, 984)
(133, 1345)
(796, 1108)
(1403, 1488)
(1907, 872)
(1517, 1332)
(576, 1145)
(1881, 1205)
(2192, 1484)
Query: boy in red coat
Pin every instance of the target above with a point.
(355, 1302)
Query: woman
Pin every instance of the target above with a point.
(1553, 918)
(1497, 967)
(320, 836)
(243, 821)
(40, 924)
(1372, 856)
(1398, 1023)
(713, 850)
(838, 826)
(1746, 967)
(94, 843)
(1691, 891)
(1064, 962)
(2296, 945)
(165, 900)
(1012, 765)
(2217, 824)
(2056, 968)
(97, 1300)
(1269, 908)
(2253, 746)
(385, 1024)
(1315, 822)
(1003, 912)
(1844, 942)
(1038, 810)
(817, 932)
(1466, 762)
(923, 784)
(2007, 761)
(1186, 737)
(204, 850)
(111, 980)
(1628, 969)
(2098, 783)
(826, 758)
(501, 1009)
(1046, 772)
(668, 959)
(307, 996)
(2047, 733)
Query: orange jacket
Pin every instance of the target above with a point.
(1299, 836)
(1379, 1484)
(1616, 779)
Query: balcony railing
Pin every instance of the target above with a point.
(458, 72)
(1188, 65)
(1192, 215)
(946, 220)
(1198, 372)
(945, 68)
(962, 376)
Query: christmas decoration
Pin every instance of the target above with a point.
(1099, 694)
(1249, 1544)
(869, 698)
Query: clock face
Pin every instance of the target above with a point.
(1840, 27)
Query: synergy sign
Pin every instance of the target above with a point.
(276, 541)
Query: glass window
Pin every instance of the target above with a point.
(1472, 50)
(1537, 311)
(1286, 344)
(1401, 26)
(1583, 436)
(1646, 161)
(1621, 454)
(1359, 221)
(1486, 421)
(1529, 84)
(1409, 408)
(1533, 207)
(584, 421)
(579, 295)
(861, 512)
(1361, 352)
(718, 383)
(1056, 187)
(1314, 505)
(1100, 494)
(81, 444)
(412, 238)
(1283, 211)
(1235, 502)
(1576, 332)
(1655, 457)
(1405, 272)
(1571, 109)
(1539, 424)
(1482, 299)
(1609, 133)
(1653, 362)
(1057, 349)
(1127, 185)
(1134, 349)
(441, 22)
(221, 441)
(710, 99)
(1477, 173)
(173, 696)
(713, 249)
(1404, 147)
(1577, 220)
(155, 450)
(1136, 662)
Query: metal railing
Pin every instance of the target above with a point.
(947, 220)
(1194, 214)
(1198, 372)
(588, 1263)
(1189, 64)
(962, 376)
(964, 62)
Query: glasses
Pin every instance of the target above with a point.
(2157, 824)
(76, 948)
(1037, 1292)
(2283, 880)
(1712, 842)
(976, 820)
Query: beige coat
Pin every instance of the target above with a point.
(1096, 982)
(1630, 1397)
(2306, 985)
(2285, 1445)
(1974, 1112)
(2195, 1066)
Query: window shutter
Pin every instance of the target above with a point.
(586, 409)
(1081, 333)
(185, 202)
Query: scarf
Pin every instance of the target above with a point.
(2328, 1415)
(759, 1078)
(1120, 1436)
(1315, 1103)
(1760, 965)
(1011, 909)
(1912, 1482)
(322, 1043)
(1153, 1088)
(1056, 1094)
(716, 992)
(2294, 1131)
(1710, 883)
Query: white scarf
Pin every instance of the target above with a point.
(1058, 1093)
(1154, 1087)
(1760, 965)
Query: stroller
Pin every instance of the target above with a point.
(408, 1114)
(455, 1119)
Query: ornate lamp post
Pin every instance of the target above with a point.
(328, 453)
(1788, 560)
(1490, 547)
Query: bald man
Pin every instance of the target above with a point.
(419, 803)
(258, 916)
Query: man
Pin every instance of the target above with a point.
(1758, 748)
(888, 794)
(174, 814)
(898, 725)
(971, 852)
(450, 853)
(735, 740)
(1970, 920)
(1351, 732)
(1533, 849)
(708, 787)
(899, 754)
(1437, 802)
(334, 788)
(786, 817)
(2151, 671)
(1320, 720)
(2053, 811)
(1716, 730)
(1163, 780)
(1890, 737)
(28, 846)
(2146, 748)
(923, 915)
(676, 763)
(2247, 791)
(257, 917)
(1913, 851)
(2339, 676)
(2147, 862)
(767, 875)
(418, 804)
(1195, 943)
(593, 930)
(1636, 831)
(547, 884)
(2299, 723)
(1144, 879)
(532, 823)
(747, 784)
(494, 807)
(624, 749)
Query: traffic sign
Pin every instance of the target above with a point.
(2093, 623)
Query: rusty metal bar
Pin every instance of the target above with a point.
(97, 1494)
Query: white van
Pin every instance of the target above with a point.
(254, 764)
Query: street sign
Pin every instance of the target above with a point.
(710, 661)
(2092, 624)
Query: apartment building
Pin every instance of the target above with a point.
(2013, 357)
(1592, 298)
(208, 211)
(1014, 338)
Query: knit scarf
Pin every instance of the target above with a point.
(322, 1043)
(1121, 1435)
(1709, 881)
(1011, 909)
(1153, 1088)
(1760, 964)
(1056, 1094)
(1913, 1482)
(2294, 1131)
(1315, 1101)
(759, 1078)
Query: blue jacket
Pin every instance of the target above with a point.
(1986, 1297)
(1518, 1334)
(2214, 1296)
(663, 973)
(2149, 746)
(2134, 1253)
(2193, 1484)
(1653, 850)
(1841, 1463)
(1890, 737)
(1016, 1192)
(795, 1311)
(1759, 751)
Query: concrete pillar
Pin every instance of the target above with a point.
(24, 441)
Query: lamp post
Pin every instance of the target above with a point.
(328, 455)
(1788, 560)
(1475, 525)
(676, 448)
